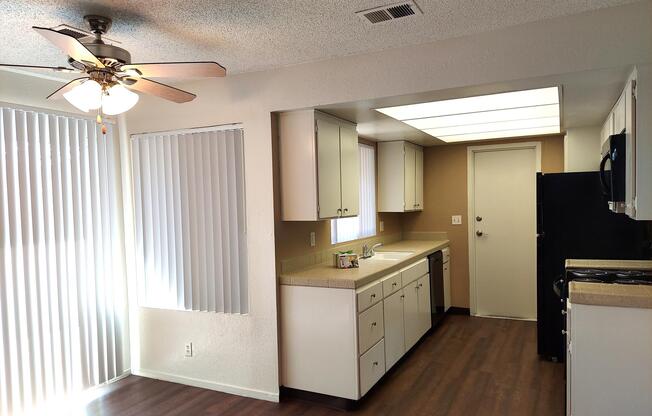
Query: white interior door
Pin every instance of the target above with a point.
(503, 226)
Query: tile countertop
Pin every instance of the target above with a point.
(327, 275)
(604, 294)
(609, 264)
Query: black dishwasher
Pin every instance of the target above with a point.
(436, 265)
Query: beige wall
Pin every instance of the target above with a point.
(445, 194)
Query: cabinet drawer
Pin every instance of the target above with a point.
(391, 284)
(414, 271)
(371, 327)
(370, 296)
(372, 367)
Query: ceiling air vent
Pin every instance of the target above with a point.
(389, 12)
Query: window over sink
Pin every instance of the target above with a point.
(364, 225)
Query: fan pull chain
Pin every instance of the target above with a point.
(100, 121)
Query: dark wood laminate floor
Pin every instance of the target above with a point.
(469, 366)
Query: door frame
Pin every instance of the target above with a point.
(470, 178)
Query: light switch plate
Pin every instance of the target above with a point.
(456, 220)
(313, 241)
(382, 226)
(188, 349)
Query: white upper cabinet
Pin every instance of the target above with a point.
(328, 166)
(350, 170)
(632, 114)
(319, 168)
(400, 177)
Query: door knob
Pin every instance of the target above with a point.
(479, 233)
(478, 218)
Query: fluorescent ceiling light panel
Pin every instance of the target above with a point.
(501, 134)
(491, 127)
(510, 114)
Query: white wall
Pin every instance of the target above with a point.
(240, 353)
(582, 149)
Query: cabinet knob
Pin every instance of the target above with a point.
(346, 210)
(402, 296)
(394, 284)
(339, 210)
(373, 324)
(373, 295)
(563, 332)
(563, 312)
(375, 363)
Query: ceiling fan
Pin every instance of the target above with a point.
(108, 74)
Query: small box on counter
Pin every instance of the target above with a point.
(346, 260)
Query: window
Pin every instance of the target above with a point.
(62, 283)
(364, 225)
(191, 251)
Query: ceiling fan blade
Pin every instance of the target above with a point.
(50, 68)
(176, 69)
(69, 86)
(160, 90)
(71, 46)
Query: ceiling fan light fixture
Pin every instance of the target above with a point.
(118, 99)
(86, 96)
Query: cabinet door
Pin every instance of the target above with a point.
(423, 301)
(411, 315)
(418, 179)
(619, 114)
(447, 286)
(350, 170)
(394, 328)
(328, 169)
(409, 177)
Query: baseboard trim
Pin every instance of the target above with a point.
(456, 310)
(210, 385)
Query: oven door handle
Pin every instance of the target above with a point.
(606, 188)
(557, 286)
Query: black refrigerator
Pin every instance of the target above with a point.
(573, 221)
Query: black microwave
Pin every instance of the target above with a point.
(612, 171)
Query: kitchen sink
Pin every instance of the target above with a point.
(391, 255)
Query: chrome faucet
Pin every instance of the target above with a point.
(369, 252)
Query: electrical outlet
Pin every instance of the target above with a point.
(188, 349)
(313, 239)
(456, 220)
(382, 226)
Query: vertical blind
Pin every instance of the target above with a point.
(190, 220)
(62, 288)
(364, 225)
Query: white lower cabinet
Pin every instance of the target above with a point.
(424, 315)
(608, 360)
(394, 328)
(411, 315)
(416, 311)
(370, 327)
(340, 342)
(372, 367)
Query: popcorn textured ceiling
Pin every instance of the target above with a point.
(247, 35)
